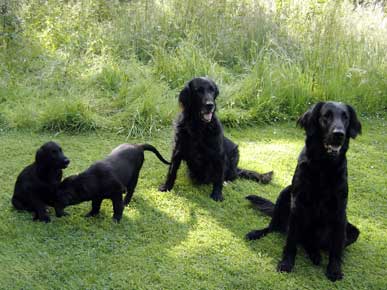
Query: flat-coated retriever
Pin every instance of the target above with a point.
(199, 140)
(312, 210)
(107, 179)
(36, 185)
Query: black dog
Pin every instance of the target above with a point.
(312, 210)
(107, 179)
(36, 185)
(199, 140)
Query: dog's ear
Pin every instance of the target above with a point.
(216, 89)
(41, 156)
(185, 97)
(354, 127)
(309, 120)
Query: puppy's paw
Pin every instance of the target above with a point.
(334, 273)
(61, 214)
(315, 257)
(285, 266)
(164, 188)
(91, 214)
(45, 219)
(117, 219)
(254, 235)
(217, 196)
(266, 177)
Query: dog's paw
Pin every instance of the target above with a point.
(284, 266)
(164, 188)
(334, 273)
(91, 214)
(266, 177)
(45, 219)
(217, 196)
(315, 257)
(62, 213)
(117, 219)
(254, 235)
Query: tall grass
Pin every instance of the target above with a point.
(121, 63)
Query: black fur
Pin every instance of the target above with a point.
(107, 179)
(312, 210)
(199, 140)
(36, 185)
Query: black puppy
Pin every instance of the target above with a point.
(312, 210)
(107, 179)
(36, 185)
(199, 140)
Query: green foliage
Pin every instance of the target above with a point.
(270, 59)
(182, 239)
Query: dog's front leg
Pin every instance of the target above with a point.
(218, 183)
(172, 171)
(290, 249)
(334, 272)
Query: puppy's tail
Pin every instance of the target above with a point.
(252, 175)
(148, 147)
(263, 204)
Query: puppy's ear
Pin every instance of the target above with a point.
(185, 97)
(40, 156)
(309, 120)
(216, 89)
(354, 127)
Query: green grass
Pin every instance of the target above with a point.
(123, 62)
(182, 239)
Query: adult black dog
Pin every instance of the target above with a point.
(312, 210)
(199, 140)
(107, 179)
(36, 185)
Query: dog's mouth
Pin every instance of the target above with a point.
(207, 117)
(332, 149)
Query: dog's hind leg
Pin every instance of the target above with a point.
(130, 189)
(352, 234)
(95, 207)
(252, 175)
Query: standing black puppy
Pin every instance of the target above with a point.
(36, 185)
(312, 210)
(107, 179)
(199, 140)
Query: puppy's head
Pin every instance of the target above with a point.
(198, 98)
(69, 191)
(50, 155)
(332, 123)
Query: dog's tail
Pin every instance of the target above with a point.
(263, 204)
(148, 147)
(252, 175)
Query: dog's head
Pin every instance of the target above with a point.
(332, 124)
(50, 155)
(197, 99)
(69, 191)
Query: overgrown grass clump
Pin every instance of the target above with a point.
(123, 62)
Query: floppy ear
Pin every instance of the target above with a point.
(216, 89)
(309, 120)
(354, 127)
(40, 157)
(185, 97)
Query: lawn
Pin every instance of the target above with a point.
(182, 239)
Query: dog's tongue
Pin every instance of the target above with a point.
(207, 117)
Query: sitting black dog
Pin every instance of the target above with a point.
(107, 179)
(36, 185)
(199, 140)
(312, 210)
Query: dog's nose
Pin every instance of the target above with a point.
(210, 106)
(338, 134)
(66, 161)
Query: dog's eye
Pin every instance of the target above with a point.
(211, 89)
(344, 116)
